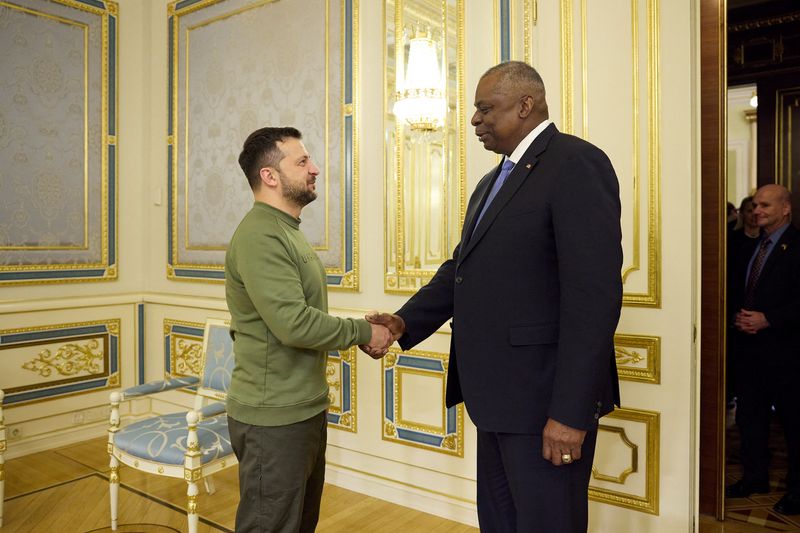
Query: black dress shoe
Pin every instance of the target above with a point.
(789, 504)
(743, 489)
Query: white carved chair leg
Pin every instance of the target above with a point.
(113, 484)
(2, 457)
(208, 481)
(113, 476)
(192, 469)
(191, 508)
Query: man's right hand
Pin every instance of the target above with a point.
(379, 343)
(396, 327)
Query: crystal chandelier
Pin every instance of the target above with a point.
(420, 100)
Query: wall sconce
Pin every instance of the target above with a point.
(420, 98)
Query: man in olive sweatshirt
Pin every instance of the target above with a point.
(275, 286)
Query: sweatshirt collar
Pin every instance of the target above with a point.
(283, 215)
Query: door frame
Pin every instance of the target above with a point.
(713, 87)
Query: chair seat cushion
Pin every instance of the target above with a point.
(162, 439)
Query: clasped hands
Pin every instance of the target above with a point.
(386, 329)
(750, 322)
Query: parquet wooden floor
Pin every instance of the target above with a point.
(66, 490)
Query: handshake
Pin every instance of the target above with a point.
(386, 329)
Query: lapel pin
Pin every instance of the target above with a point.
(528, 166)
(784, 247)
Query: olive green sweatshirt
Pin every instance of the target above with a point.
(276, 291)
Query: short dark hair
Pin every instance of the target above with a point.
(518, 74)
(261, 150)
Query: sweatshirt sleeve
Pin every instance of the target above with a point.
(272, 281)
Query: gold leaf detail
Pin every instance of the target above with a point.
(188, 358)
(449, 442)
(330, 373)
(70, 360)
(389, 430)
(625, 356)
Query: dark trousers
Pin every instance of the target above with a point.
(281, 475)
(520, 492)
(762, 387)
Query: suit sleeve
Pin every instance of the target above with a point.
(430, 307)
(586, 223)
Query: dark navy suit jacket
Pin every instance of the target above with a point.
(534, 293)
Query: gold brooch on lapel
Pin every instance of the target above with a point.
(528, 166)
(784, 247)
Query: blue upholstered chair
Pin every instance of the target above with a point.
(189, 445)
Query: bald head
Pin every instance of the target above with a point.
(773, 207)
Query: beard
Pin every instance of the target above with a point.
(299, 195)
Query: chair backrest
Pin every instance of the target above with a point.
(218, 359)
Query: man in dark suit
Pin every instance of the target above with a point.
(768, 335)
(534, 290)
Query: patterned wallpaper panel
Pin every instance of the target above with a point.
(229, 77)
(57, 141)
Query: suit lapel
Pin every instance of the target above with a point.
(481, 192)
(777, 252)
(519, 174)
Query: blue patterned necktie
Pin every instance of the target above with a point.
(508, 165)
(755, 272)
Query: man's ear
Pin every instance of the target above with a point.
(526, 104)
(269, 177)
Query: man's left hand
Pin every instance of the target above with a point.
(559, 440)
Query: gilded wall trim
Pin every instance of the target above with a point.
(651, 297)
(331, 223)
(33, 249)
(627, 488)
(638, 358)
(567, 66)
(59, 360)
(341, 375)
(438, 431)
(425, 182)
(183, 348)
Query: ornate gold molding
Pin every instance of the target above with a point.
(631, 351)
(647, 500)
(69, 360)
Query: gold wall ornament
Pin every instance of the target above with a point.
(623, 356)
(187, 358)
(69, 360)
(16, 345)
(638, 357)
(341, 373)
(424, 166)
(184, 342)
(389, 430)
